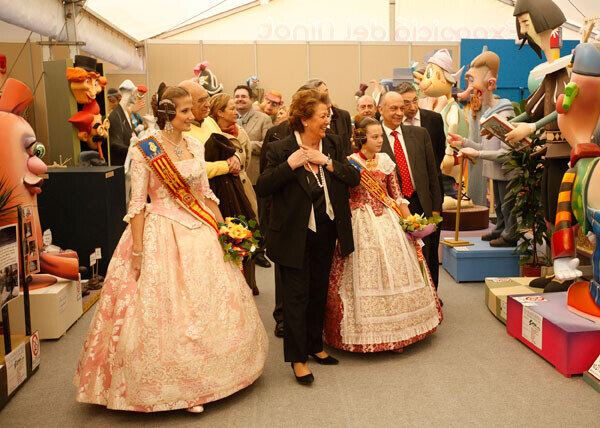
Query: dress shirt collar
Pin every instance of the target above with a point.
(388, 131)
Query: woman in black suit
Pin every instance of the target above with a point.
(308, 176)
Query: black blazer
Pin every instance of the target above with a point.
(424, 167)
(433, 122)
(341, 125)
(274, 133)
(290, 212)
(119, 134)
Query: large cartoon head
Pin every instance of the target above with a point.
(91, 129)
(439, 78)
(481, 79)
(85, 82)
(579, 107)
(20, 152)
(535, 17)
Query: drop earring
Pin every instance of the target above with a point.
(168, 126)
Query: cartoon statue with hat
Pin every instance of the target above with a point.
(579, 201)
(21, 168)
(121, 127)
(438, 81)
(207, 79)
(537, 21)
(84, 80)
(92, 131)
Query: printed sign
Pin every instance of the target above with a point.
(98, 252)
(531, 327)
(530, 300)
(47, 237)
(595, 369)
(92, 259)
(9, 264)
(502, 309)
(16, 368)
(34, 342)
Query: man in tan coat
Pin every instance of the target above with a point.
(255, 123)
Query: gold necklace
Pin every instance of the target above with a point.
(178, 149)
(371, 164)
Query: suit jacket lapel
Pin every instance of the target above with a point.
(290, 148)
(329, 150)
(409, 143)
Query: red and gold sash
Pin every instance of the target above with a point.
(374, 187)
(170, 177)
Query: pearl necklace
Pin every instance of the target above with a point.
(320, 183)
(178, 149)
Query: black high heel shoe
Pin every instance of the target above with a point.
(303, 380)
(327, 361)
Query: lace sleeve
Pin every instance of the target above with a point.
(393, 188)
(197, 149)
(140, 174)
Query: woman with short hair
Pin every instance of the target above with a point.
(308, 176)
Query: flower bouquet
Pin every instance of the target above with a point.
(416, 226)
(238, 238)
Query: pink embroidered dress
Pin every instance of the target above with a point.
(188, 331)
(378, 299)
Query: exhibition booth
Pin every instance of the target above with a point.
(62, 208)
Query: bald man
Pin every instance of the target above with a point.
(204, 126)
(416, 167)
(365, 106)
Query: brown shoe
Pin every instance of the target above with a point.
(489, 236)
(501, 242)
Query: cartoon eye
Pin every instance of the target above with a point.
(428, 75)
(39, 150)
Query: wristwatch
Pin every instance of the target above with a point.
(328, 161)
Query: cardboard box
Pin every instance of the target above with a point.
(53, 309)
(23, 364)
(543, 322)
(479, 261)
(498, 289)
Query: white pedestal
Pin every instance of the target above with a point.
(53, 309)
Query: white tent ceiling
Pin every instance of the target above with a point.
(143, 19)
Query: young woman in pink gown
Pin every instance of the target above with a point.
(176, 326)
(378, 299)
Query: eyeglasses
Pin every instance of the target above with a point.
(414, 102)
(273, 103)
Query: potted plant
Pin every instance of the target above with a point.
(7, 207)
(525, 187)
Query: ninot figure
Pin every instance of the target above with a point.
(21, 167)
(578, 112)
(92, 131)
(85, 82)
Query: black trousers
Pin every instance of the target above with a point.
(554, 169)
(305, 295)
(430, 251)
(278, 311)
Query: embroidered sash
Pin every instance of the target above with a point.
(374, 187)
(173, 181)
(378, 192)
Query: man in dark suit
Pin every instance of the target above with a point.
(120, 130)
(341, 124)
(434, 124)
(416, 166)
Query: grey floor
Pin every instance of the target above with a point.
(469, 373)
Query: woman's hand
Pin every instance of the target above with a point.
(297, 159)
(136, 265)
(314, 156)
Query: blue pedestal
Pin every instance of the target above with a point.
(476, 262)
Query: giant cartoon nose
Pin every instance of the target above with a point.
(36, 165)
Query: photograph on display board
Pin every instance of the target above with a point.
(9, 264)
(30, 249)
